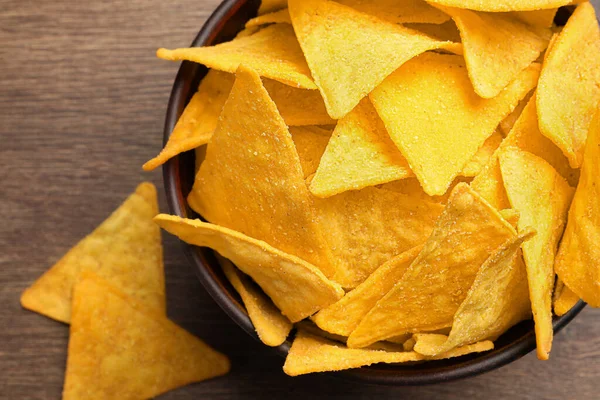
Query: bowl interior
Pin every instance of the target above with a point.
(228, 19)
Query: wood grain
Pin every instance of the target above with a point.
(82, 106)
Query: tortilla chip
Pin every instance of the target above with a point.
(270, 324)
(260, 190)
(330, 35)
(507, 123)
(366, 228)
(503, 5)
(498, 299)
(413, 95)
(538, 18)
(296, 287)
(569, 87)
(489, 185)
(310, 142)
(437, 282)
(276, 17)
(199, 119)
(308, 326)
(511, 216)
(121, 349)
(298, 107)
(125, 249)
(444, 32)
(247, 32)
(483, 156)
(273, 52)
(542, 197)
(310, 354)
(578, 260)
(267, 6)
(564, 301)
(359, 154)
(497, 47)
(412, 187)
(399, 11)
(344, 316)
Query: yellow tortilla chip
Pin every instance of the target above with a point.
(437, 282)
(310, 354)
(366, 228)
(497, 47)
(542, 197)
(267, 6)
(275, 17)
(507, 123)
(433, 92)
(578, 260)
(538, 18)
(564, 300)
(296, 287)
(125, 249)
(399, 11)
(503, 5)
(120, 349)
(310, 142)
(343, 317)
(359, 154)
(309, 327)
(273, 52)
(330, 35)
(444, 32)
(270, 324)
(412, 187)
(199, 119)
(483, 156)
(511, 216)
(569, 87)
(498, 299)
(252, 181)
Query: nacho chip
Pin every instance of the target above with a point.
(296, 287)
(433, 92)
(488, 184)
(330, 34)
(125, 249)
(199, 119)
(578, 260)
(412, 187)
(121, 349)
(343, 317)
(366, 228)
(569, 87)
(497, 47)
(310, 354)
(542, 197)
(538, 18)
(498, 299)
(511, 216)
(310, 142)
(267, 6)
(564, 301)
(483, 156)
(359, 154)
(507, 123)
(399, 11)
(309, 327)
(444, 32)
(437, 282)
(275, 17)
(273, 52)
(252, 181)
(503, 5)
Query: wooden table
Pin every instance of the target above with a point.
(82, 107)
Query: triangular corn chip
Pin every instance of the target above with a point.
(311, 142)
(569, 87)
(125, 249)
(275, 17)
(564, 300)
(489, 185)
(412, 187)
(427, 101)
(542, 197)
(511, 216)
(399, 11)
(296, 287)
(310, 354)
(496, 47)
(343, 317)
(252, 181)
(272, 52)
(365, 228)
(330, 35)
(270, 324)
(483, 156)
(503, 5)
(437, 282)
(498, 299)
(538, 18)
(267, 6)
(578, 261)
(359, 154)
(199, 119)
(120, 349)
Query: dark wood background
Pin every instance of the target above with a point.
(82, 105)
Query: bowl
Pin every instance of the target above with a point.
(178, 173)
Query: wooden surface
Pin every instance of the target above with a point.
(81, 106)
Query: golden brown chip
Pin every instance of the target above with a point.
(272, 52)
(310, 354)
(310, 142)
(542, 197)
(199, 119)
(252, 181)
(503, 5)
(270, 324)
(578, 260)
(125, 249)
(564, 300)
(359, 154)
(511, 216)
(120, 349)
(296, 287)
(433, 92)
(437, 282)
(569, 87)
(331, 35)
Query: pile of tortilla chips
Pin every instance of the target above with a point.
(415, 178)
